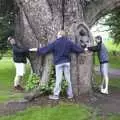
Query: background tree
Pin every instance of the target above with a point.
(113, 21)
(7, 13)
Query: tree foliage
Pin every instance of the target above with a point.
(113, 21)
(7, 13)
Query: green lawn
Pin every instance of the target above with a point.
(111, 46)
(114, 61)
(63, 111)
(113, 83)
(7, 72)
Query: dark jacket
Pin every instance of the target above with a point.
(19, 54)
(101, 51)
(61, 49)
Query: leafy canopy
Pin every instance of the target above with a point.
(113, 21)
(7, 15)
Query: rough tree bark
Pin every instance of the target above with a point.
(40, 20)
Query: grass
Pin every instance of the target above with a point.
(114, 61)
(111, 46)
(113, 117)
(60, 112)
(63, 111)
(113, 83)
(7, 73)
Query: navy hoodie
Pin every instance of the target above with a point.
(61, 49)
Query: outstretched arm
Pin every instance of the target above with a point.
(76, 48)
(47, 49)
(43, 50)
(94, 48)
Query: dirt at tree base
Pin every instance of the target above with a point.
(105, 104)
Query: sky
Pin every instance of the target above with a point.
(99, 29)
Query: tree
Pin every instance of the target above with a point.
(38, 22)
(113, 21)
(6, 23)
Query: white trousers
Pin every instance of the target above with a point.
(64, 67)
(104, 74)
(20, 71)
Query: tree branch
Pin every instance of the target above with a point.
(50, 5)
(96, 9)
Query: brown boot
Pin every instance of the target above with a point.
(18, 87)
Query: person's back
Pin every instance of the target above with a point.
(103, 54)
(19, 54)
(62, 49)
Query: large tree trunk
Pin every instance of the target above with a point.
(42, 19)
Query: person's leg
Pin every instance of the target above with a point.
(102, 78)
(67, 78)
(105, 77)
(57, 88)
(20, 70)
(17, 80)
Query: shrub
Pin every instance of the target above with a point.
(34, 80)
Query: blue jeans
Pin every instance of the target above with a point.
(64, 67)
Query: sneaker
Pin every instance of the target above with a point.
(53, 97)
(104, 91)
(18, 87)
(70, 97)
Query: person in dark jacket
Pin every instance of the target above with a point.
(61, 49)
(20, 59)
(103, 59)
